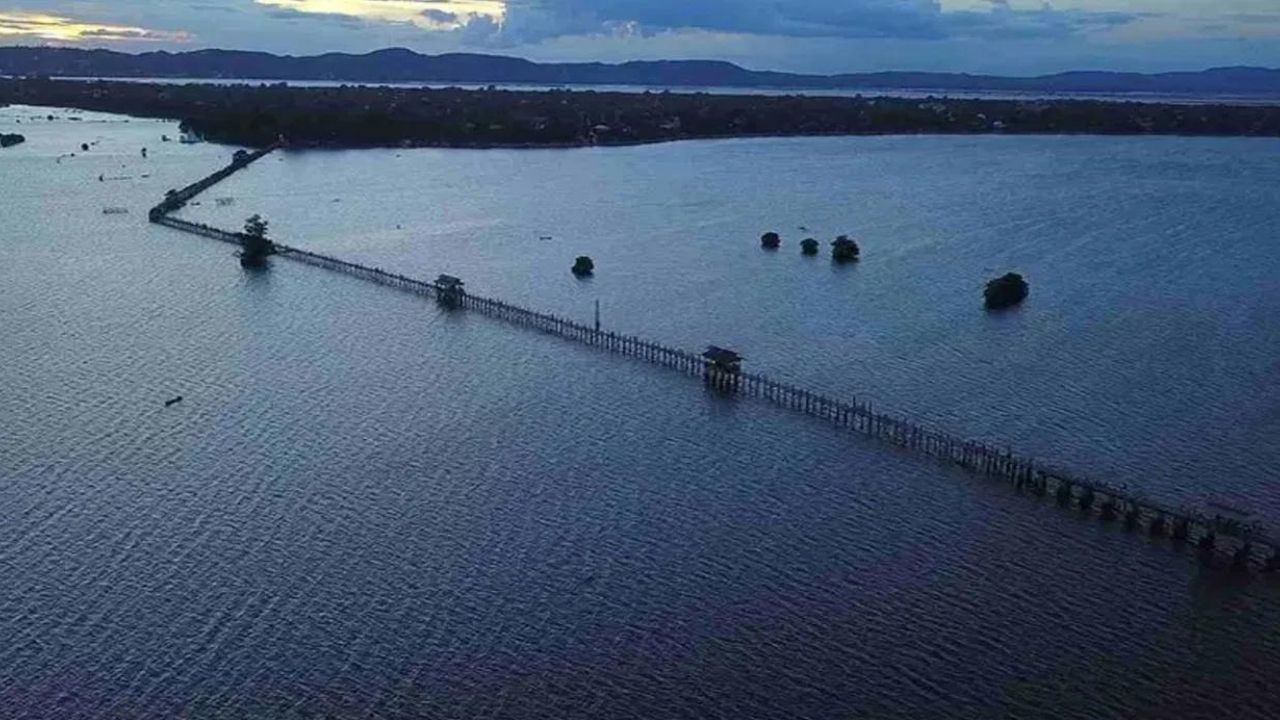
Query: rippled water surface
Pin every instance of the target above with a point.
(1148, 354)
(365, 507)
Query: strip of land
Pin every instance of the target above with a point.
(361, 116)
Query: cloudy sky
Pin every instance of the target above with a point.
(1003, 36)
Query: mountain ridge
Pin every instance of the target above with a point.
(408, 66)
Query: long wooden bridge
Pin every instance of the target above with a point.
(177, 199)
(1246, 544)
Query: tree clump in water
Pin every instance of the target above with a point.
(255, 247)
(584, 266)
(770, 241)
(809, 246)
(845, 249)
(11, 139)
(1006, 291)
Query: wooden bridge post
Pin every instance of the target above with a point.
(1181, 528)
(1064, 492)
(1240, 559)
(1157, 526)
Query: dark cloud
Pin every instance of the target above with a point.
(1007, 36)
(532, 20)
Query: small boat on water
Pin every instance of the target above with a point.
(173, 401)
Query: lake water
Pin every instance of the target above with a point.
(922, 93)
(365, 507)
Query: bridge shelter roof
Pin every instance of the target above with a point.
(722, 356)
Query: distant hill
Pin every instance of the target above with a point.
(400, 65)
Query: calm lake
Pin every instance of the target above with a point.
(1144, 97)
(367, 507)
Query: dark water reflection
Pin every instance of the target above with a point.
(365, 507)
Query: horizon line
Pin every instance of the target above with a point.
(636, 61)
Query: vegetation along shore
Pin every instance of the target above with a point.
(362, 116)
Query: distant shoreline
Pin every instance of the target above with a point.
(400, 65)
(885, 92)
(355, 117)
(712, 138)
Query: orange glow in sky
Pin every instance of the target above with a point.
(426, 14)
(57, 28)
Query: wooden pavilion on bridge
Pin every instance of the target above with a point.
(723, 366)
(723, 359)
(450, 290)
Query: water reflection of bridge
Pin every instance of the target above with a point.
(1247, 545)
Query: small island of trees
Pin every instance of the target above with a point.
(11, 139)
(809, 246)
(770, 241)
(845, 249)
(583, 266)
(256, 248)
(1005, 291)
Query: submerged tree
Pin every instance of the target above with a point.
(583, 266)
(1006, 291)
(845, 249)
(255, 247)
(770, 241)
(809, 246)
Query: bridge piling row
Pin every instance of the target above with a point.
(177, 199)
(862, 418)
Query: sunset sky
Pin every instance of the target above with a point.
(1002, 36)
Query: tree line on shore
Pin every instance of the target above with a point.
(360, 116)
